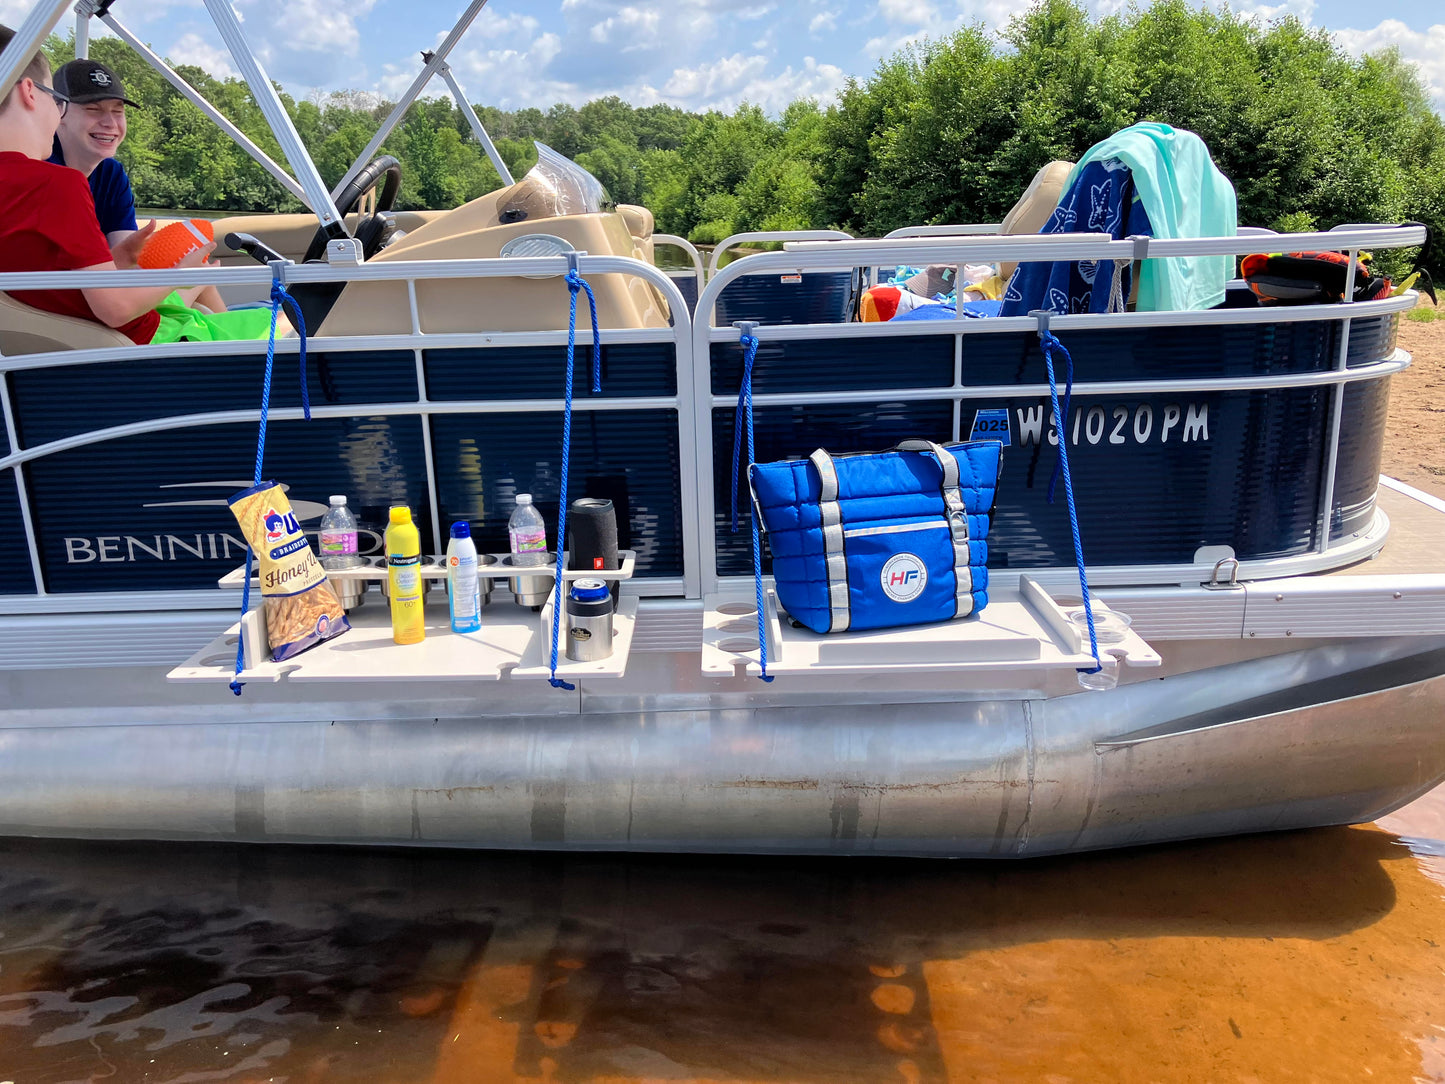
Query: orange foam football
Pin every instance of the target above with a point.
(169, 246)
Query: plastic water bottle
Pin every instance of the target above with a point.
(463, 588)
(338, 536)
(528, 533)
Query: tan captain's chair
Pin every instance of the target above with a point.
(640, 225)
(26, 330)
(1035, 206)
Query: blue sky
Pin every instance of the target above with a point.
(693, 53)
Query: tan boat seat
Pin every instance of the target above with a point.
(1035, 206)
(27, 330)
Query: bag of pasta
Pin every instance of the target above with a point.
(301, 605)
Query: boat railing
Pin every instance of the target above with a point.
(690, 282)
(957, 229)
(706, 359)
(17, 452)
(713, 347)
(768, 237)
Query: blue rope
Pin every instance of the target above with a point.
(743, 417)
(278, 297)
(575, 282)
(745, 404)
(1050, 343)
(1061, 420)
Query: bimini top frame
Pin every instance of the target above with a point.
(306, 184)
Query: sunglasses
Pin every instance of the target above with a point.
(62, 101)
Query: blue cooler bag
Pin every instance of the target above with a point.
(879, 539)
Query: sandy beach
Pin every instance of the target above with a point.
(1415, 444)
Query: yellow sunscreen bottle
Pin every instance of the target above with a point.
(403, 571)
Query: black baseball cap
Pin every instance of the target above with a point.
(84, 81)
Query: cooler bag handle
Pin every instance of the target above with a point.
(956, 512)
(836, 562)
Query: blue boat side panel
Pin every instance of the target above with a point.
(816, 297)
(628, 456)
(1373, 338)
(16, 577)
(1206, 467)
(1362, 444)
(793, 433)
(1202, 469)
(71, 399)
(535, 372)
(1157, 353)
(148, 513)
(687, 286)
(843, 364)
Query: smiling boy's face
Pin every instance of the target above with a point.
(99, 127)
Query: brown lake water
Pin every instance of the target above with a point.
(1306, 956)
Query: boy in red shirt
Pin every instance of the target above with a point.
(47, 214)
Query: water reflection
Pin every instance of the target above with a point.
(1304, 956)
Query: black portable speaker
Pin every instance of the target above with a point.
(592, 537)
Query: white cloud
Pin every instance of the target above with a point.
(998, 13)
(193, 49)
(1425, 48)
(1303, 10)
(824, 20)
(507, 76)
(309, 43)
(907, 22)
(731, 80)
(496, 73)
(708, 81)
(820, 82)
(631, 28)
(908, 12)
(307, 25)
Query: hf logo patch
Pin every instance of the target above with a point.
(903, 577)
(99, 78)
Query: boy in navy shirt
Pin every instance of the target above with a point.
(89, 135)
(88, 138)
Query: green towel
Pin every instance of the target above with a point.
(1184, 195)
(181, 323)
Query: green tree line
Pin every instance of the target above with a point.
(949, 130)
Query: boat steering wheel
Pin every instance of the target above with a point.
(370, 231)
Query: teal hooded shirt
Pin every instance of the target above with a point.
(1184, 195)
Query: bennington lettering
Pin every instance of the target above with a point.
(1185, 423)
(123, 548)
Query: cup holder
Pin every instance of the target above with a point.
(738, 645)
(1106, 678)
(535, 588)
(737, 609)
(739, 625)
(1110, 626)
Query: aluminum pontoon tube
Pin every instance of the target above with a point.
(1186, 756)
